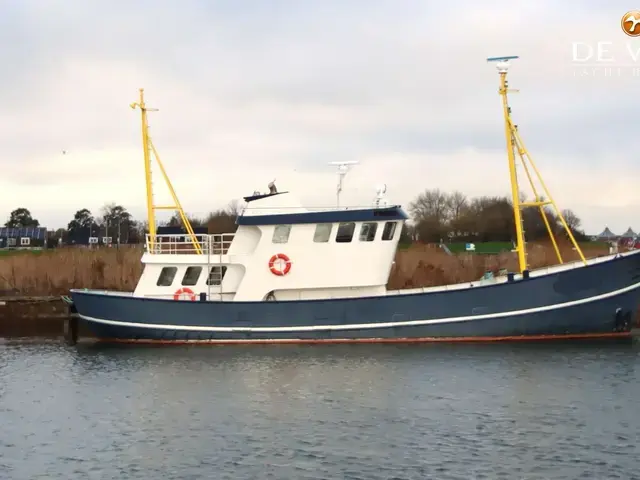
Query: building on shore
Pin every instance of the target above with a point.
(628, 239)
(606, 235)
(25, 238)
(179, 234)
(629, 234)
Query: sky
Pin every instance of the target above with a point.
(250, 91)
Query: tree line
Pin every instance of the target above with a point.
(452, 216)
(437, 216)
(115, 221)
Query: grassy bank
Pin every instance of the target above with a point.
(55, 272)
(495, 248)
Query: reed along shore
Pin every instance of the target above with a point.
(54, 272)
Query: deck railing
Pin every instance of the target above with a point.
(217, 244)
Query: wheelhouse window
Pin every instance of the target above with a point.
(389, 230)
(191, 276)
(166, 276)
(323, 232)
(216, 274)
(345, 232)
(281, 233)
(368, 231)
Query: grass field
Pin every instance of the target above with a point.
(6, 253)
(495, 248)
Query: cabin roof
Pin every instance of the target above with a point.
(334, 216)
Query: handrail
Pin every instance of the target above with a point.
(185, 244)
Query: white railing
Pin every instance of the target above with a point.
(220, 242)
(185, 244)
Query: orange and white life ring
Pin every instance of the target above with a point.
(279, 264)
(184, 294)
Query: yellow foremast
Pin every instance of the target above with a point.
(147, 148)
(516, 146)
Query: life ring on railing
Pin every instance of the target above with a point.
(279, 264)
(184, 294)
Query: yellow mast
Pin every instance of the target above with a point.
(147, 148)
(515, 144)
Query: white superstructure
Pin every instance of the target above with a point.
(280, 251)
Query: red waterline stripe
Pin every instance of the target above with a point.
(297, 341)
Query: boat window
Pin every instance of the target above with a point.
(323, 232)
(385, 213)
(345, 232)
(368, 231)
(166, 276)
(216, 274)
(389, 230)
(281, 233)
(191, 276)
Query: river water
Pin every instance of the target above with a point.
(551, 411)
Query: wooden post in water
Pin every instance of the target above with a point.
(71, 322)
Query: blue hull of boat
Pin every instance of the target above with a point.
(598, 300)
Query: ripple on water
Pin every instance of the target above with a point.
(352, 412)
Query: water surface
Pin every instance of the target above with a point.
(554, 411)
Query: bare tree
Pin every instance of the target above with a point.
(234, 208)
(457, 204)
(430, 205)
(572, 220)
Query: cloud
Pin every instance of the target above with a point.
(254, 91)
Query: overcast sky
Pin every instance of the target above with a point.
(250, 90)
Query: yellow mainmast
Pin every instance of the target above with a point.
(147, 148)
(515, 144)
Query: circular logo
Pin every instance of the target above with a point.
(630, 23)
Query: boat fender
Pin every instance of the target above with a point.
(184, 292)
(277, 270)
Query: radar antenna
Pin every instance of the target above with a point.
(343, 168)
